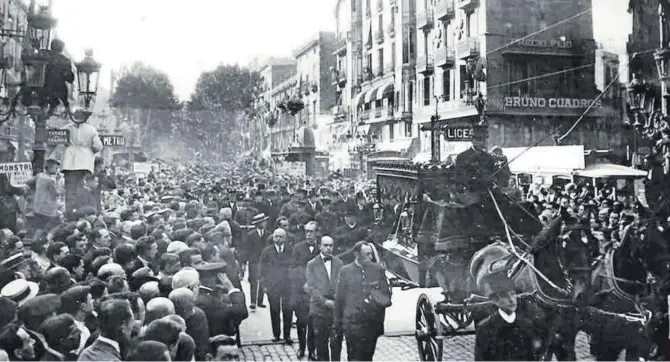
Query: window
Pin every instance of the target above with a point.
(380, 58)
(393, 55)
(469, 26)
(353, 5)
(411, 95)
(391, 131)
(408, 129)
(368, 62)
(405, 47)
(426, 91)
(446, 84)
(465, 81)
(380, 23)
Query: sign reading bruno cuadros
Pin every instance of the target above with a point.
(541, 102)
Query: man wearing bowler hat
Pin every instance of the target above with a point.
(503, 336)
(250, 252)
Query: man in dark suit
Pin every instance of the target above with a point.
(303, 252)
(322, 273)
(349, 234)
(504, 336)
(250, 252)
(116, 324)
(362, 296)
(275, 265)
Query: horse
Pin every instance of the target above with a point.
(560, 253)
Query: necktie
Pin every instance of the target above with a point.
(327, 258)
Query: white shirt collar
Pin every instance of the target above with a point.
(111, 342)
(509, 318)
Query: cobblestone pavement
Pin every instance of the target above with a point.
(402, 348)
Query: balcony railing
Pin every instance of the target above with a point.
(424, 64)
(341, 46)
(379, 36)
(445, 57)
(378, 112)
(424, 19)
(468, 47)
(365, 115)
(445, 10)
(338, 113)
(468, 5)
(391, 30)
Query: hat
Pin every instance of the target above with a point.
(259, 218)
(175, 247)
(20, 291)
(239, 196)
(496, 281)
(211, 268)
(14, 261)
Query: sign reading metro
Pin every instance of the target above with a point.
(540, 102)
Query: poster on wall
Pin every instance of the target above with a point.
(295, 169)
(18, 172)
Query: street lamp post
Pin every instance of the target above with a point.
(43, 88)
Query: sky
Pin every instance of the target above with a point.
(184, 38)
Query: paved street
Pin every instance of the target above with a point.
(402, 348)
(398, 344)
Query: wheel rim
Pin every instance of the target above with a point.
(428, 336)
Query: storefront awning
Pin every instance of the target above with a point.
(397, 146)
(363, 129)
(359, 99)
(607, 170)
(385, 91)
(557, 160)
(370, 95)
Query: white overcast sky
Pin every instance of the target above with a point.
(184, 38)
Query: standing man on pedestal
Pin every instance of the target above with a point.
(79, 158)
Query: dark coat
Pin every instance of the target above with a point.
(224, 312)
(320, 286)
(352, 312)
(346, 237)
(299, 259)
(197, 327)
(275, 270)
(100, 351)
(497, 340)
(252, 247)
(84, 198)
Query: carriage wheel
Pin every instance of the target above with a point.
(428, 330)
(462, 318)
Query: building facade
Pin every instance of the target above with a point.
(534, 68)
(273, 71)
(315, 59)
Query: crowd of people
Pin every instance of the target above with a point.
(150, 267)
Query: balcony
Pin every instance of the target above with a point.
(364, 115)
(341, 46)
(468, 5)
(379, 36)
(367, 74)
(424, 64)
(444, 57)
(338, 113)
(389, 69)
(391, 30)
(468, 47)
(424, 19)
(445, 10)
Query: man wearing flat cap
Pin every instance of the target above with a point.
(503, 336)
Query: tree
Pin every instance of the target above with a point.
(221, 102)
(144, 87)
(148, 93)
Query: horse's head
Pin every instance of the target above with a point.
(575, 249)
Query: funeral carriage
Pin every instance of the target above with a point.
(440, 217)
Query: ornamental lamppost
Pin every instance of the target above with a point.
(45, 72)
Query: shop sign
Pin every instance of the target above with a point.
(58, 136)
(463, 133)
(19, 172)
(556, 103)
(541, 43)
(112, 140)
